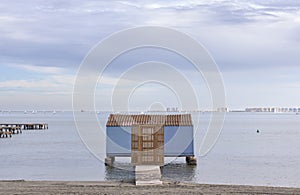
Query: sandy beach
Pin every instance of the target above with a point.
(168, 187)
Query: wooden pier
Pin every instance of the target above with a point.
(6, 130)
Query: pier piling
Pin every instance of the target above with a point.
(6, 130)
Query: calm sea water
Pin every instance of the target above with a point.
(241, 156)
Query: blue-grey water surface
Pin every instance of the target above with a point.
(241, 156)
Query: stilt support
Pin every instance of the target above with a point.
(109, 160)
(191, 160)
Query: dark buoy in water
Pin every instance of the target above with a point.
(257, 131)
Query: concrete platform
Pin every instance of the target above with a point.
(147, 175)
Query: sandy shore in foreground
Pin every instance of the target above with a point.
(70, 187)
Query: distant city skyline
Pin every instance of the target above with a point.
(170, 109)
(255, 43)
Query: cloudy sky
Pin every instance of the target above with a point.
(255, 43)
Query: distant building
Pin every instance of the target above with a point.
(223, 109)
(173, 109)
(272, 109)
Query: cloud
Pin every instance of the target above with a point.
(39, 69)
(224, 10)
(52, 37)
(56, 84)
(28, 84)
(127, 3)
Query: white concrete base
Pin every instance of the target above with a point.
(147, 175)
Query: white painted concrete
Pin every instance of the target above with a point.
(147, 175)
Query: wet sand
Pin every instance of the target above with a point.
(70, 187)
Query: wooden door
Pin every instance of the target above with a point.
(147, 145)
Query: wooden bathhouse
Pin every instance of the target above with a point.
(147, 139)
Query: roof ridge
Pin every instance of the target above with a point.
(166, 119)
